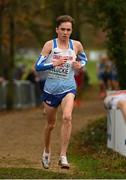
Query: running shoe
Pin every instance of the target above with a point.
(63, 162)
(46, 160)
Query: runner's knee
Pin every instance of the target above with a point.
(51, 126)
(122, 104)
(67, 119)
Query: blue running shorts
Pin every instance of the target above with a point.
(55, 100)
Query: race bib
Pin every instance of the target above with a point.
(60, 71)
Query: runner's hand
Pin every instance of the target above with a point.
(76, 65)
(58, 62)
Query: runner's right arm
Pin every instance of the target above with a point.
(41, 64)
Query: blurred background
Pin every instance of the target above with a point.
(26, 25)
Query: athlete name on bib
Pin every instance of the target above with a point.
(60, 71)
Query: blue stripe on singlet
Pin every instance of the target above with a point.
(54, 43)
(70, 44)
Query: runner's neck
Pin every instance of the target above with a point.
(63, 44)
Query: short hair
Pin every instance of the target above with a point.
(64, 18)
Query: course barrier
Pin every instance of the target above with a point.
(116, 131)
(24, 94)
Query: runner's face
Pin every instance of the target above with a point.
(64, 30)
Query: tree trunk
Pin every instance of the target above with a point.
(1, 35)
(10, 92)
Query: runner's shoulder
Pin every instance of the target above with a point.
(47, 47)
(78, 45)
(48, 44)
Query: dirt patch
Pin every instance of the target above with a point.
(21, 133)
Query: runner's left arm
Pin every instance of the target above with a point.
(81, 56)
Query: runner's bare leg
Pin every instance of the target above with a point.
(67, 108)
(50, 124)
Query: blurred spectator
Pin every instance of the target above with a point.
(19, 71)
(106, 75)
(79, 78)
(31, 76)
(34, 79)
(38, 79)
(42, 78)
(2, 79)
(114, 74)
(101, 75)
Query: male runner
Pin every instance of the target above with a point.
(60, 57)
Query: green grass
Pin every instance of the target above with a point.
(29, 173)
(88, 155)
(93, 158)
(91, 69)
